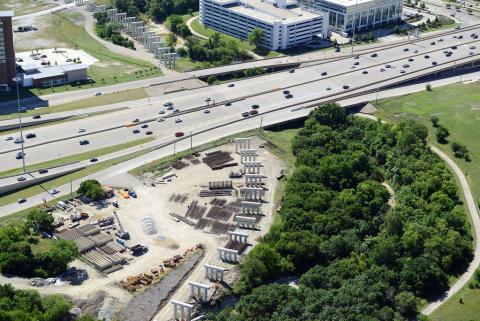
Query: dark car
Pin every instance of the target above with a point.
(43, 171)
(149, 133)
(22, 200)
(454, 47)
(37, 117)
(179, 134)
(411, 59)
(286, 92)
(292, 71)
(144, 126)
(21, 179)
(356, 57)
(253, 112)
(345, 86)
(255, 106)
(365, 72)
(356, 63)
(228, 104)
(84, 142)
(433, 43)
(288, 96)
(245, 114)
(324, 73)
(231, 85)
(93, 160)
(136, 131)
(426, 56)
(434, 63)
(31, 135)
(20, 155)
(373, 55)
(406, 49)
(136, 120)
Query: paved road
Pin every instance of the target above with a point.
(43, 12)
(305, 84)
(472, 209)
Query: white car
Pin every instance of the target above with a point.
(207, 111)
(178, 120)
(161, 112)
(81, 130)
(9, 138)
(54, 191)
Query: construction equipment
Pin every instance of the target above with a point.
(121, 233)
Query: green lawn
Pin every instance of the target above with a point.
(77, 157)
(458, 107)
(67, 29)
(23, 7)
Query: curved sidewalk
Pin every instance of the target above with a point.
(472, 209)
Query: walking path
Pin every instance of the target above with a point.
(472, 209)
(199, 35)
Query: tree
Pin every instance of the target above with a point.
(40, 220)
(174, 20)
(442, 134)
(92, 189)
(255, 38)
(428, 87)
(434, 119)
(459, 150)
(171, 40)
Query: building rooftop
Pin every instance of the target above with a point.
(55, 71)
(348, 3)
(266, 11)
(6, 14)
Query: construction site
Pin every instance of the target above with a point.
(173, 240)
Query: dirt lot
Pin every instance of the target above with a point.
(172, 237)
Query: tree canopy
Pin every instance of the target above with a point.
(358, 258)
(92, 189)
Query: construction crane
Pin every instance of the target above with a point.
(121, 233)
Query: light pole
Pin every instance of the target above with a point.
(354, 25)
(17, 80)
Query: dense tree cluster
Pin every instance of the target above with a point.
(215, 50)
(361, 259)
(110, 31)
(17, 257)
(158, 10)
(92, 189)
(177, 26)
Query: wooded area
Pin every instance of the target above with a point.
(359, 258)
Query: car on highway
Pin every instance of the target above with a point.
(54, 191)
(434, 63)
(406, 49)
(20, 155)
(149, 132)
(176, 110)
(411, 59)
(144, 126)
(136, 120)
(178, 120)
(415, 51)
(471, 47)
(288, 96)
(454, 47)
(373, 55)
(228, 104)
(84, 142)
(382, 70)
(81, 130)
(471, 53)
(179, 134)
(255, 106)
(161, 112)
(30, 135)
(402, 71)
(440, 40)
(36, 117)
(168, 103)
(21, 179)
(245, 114)
(231, 85)
(356, 57)
(285, 92)
(8, 138)
(329, 88)
(324, 73)
(21, 200)
(433, 43)
(345, 86)
(160, 120)
(460, 37)
(356, 63)
(93, 160)
(365, 72)
(18, 140)
(43, 171)
(170, 107)
(206, 111)
(388, 66)
(405, 65)
(98, 94)
(426, 56)
(136, 131)
(208, 99)
(253, 112)
(291, 71)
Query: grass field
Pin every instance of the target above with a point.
(23, 7)
(77, 157)
(67, 29)
(458, 107)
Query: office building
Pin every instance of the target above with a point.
(284, 23)
(369, 14)
(33, 76)
(7, 53)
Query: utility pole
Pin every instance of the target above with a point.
(261, 123)
(174, 146)
(17, 80)
(71, 187)
(191, 140)
(354, 24)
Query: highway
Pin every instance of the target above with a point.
(309, 83)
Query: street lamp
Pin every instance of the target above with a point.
(17, 79)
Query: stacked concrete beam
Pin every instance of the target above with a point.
(91, 6)
(184, 308)
(79, 3)
(67, 1)
(147, 34)
(111, 14)
(102, 8)
(151, 41)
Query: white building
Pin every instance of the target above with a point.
(284, 23)
(369, 14)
